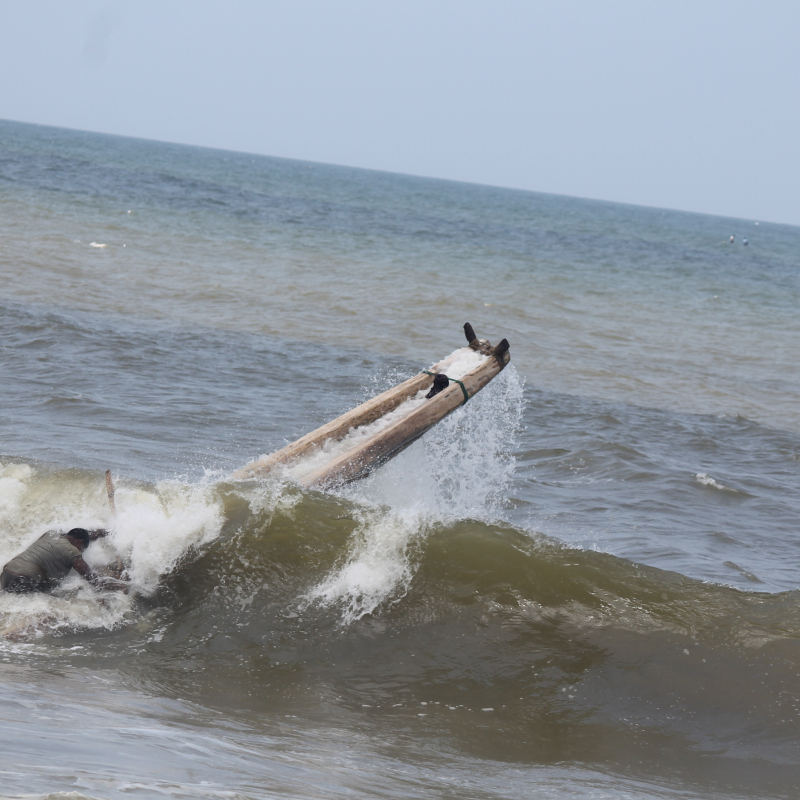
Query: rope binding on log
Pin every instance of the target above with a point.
(441, 382)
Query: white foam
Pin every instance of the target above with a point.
(154, 530)
(12, 487)
(707, 480)
(269, 496)
(460, 469)
(378, 564)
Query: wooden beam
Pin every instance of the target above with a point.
(360, 459)
(339, 428)
(363, 458)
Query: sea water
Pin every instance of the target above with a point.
(582, 584)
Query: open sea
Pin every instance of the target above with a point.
(583, 584)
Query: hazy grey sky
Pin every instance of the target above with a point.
(690, 105)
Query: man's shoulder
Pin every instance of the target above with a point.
(62, 544)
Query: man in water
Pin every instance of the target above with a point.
(48, 561)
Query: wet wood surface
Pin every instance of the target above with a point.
(361, 459)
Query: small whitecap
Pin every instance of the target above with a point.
(706, 480)
(97, 244)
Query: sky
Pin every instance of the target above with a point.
(686, 105)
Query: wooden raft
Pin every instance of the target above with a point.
(362, 458)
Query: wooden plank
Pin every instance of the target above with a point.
(363, 458)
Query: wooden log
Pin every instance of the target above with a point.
(110, 493)
(363, 458)
(339, 428)
(359, 459)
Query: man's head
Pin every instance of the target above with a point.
(79, 536)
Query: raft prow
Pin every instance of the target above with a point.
(360, 459)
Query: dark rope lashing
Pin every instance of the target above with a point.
(441, 382)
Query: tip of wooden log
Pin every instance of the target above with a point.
(469, 332)
(501, 353)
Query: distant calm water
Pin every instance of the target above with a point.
(584, 584)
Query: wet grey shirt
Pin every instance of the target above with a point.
(49, 558)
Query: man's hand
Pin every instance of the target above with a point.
(112, 584)
(98, 533)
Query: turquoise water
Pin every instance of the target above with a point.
(602, 547)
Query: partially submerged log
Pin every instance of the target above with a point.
(361, 458)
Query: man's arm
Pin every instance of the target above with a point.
(82, 568)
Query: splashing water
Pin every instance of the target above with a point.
(378, 565)
(154, 530)
(460, 469)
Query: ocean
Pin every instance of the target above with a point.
(582, 584)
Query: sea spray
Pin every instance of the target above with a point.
(274, 493)
(155, 529)
(377, 566)
(12, 486)
(460, 469)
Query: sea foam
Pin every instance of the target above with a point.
(460, 469)
(706, 480)
(154, 530)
